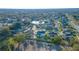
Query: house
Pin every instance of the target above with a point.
(52, 34)
(37, 22)
(67, 34)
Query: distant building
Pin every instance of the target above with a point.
(37, 22)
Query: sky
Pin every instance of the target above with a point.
(36, 4)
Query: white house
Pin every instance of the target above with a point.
(37, 22)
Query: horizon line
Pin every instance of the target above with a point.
(39, 8)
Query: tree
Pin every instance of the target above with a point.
(47, 37)
(4, 35)
(20, 37)
(10, 43)
(76, 47)
(16, 26)
(5, 32)
(56, 39)
(64, 43)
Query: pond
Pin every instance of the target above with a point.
(41, 33)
